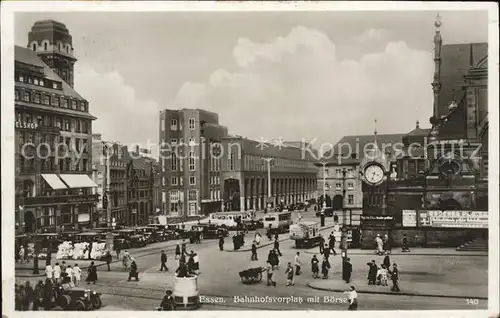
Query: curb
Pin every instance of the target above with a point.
(410, 254)
(272, 242)
(393, 293)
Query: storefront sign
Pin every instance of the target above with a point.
(409, 218)
(26, 125)
(453, 219)
(376, 217)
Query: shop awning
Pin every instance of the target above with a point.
(54, 181)
(78, 180)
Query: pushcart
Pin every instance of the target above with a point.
(252, 275)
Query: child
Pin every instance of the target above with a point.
(382, 276)
(77, 274)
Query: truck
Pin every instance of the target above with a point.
(305, 234)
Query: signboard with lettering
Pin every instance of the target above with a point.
(376, 221)
(376, 217)
(453, 219)
(26, 125)
(409, 218)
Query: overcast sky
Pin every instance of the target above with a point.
(291, 74)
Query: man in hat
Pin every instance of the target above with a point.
(395, 278)
(167, 304)
(163, 260)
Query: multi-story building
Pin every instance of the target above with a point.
(341, 175)
(246, 165)
(109, 165)
(190, 171)
(53, 187)
(157, 188)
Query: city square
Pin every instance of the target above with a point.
(320, 166)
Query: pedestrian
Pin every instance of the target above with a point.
(134, 271)
(108, 258)
(277, 247)
(269, 233)
(331, 244)
(39, 291)
(182, 270)
(57, 273)
(167, 304)
(297, 264)
(190, 263)
(289, 274)
(352, 297)
(91, 273)
(269, 271)
(254, 252)
(372, 272)
(69, 275)
(321, 243)
(221, 243)
(126, 260)
(387, 261)
(336, 218)
(163, 260)
(257, 238)
(395, 278)
(382, 276)
(385, 241)
(29, 296)
(235, 243)
(49, 272)
(63, 267)
(325, 267)
(326, 251)
(177, 252)
(77, 274)
(405, 243)
(379, 244)
(48, 294)
(22, 254)
(346, 274)
(315, 266)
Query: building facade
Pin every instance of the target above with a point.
(190, 172)
(245, 174)
(53, 184)
(109, 165)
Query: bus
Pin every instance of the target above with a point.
(228, 219)
(305, 234)
(278, 221)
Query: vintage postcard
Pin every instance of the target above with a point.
(243, 156)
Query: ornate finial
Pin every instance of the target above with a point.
(438, 22)
(418, 124)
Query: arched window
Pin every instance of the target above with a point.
(59, 46)
(45, 46)
(34, 46)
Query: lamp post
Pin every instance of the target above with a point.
(107, 177)
(324, 163)
(269, 194)
(343, 236)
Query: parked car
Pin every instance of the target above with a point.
(327, 211)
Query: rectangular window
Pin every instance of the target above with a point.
(173, 124)
(73, 104)
(55, 100)
(27, 96)
(82, 106)
(173, 181)
(54, 85)
(350, 185)
(162, 124)
(21, 78)
(192, 195)
(37, 98)
(338, 186)
(64, 102)
(42, 83)
(192, 180)
(35, 81)
(58, 123)
(84, 127)
(173, 162)
(191, 124)
(66, 125)
(350, 199)
(46, 99)
(16, 95)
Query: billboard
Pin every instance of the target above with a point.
(453, 219)
(409, 218)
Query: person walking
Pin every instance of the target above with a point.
(326, 251)
(57, 273)
(297, 264)
(108, 258)
(69, 275)
(269, 270)
(22, 255)
(315, 266)
(325, 267)
(387, 261)
(177, 252)
(29, 296)
(331, 244)
(126, 260)
(49, 272)
(134, 271)
(77, 274)
(405, 244)
(254, 252)
(395, 278)
(221, 243)
(289, 274)
(91, 273)
(39, 291)
(346, 274)
(163, 261)
(379, 244)
(321, 243)
(372, 272)
(48, 294)
(352, 297)
(277, 247)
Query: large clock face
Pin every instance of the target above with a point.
(374, 174)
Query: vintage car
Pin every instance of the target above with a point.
(180, 233)
(78, 299)
(149, 234)
(89, 237)
(128, 238)
(210, 231)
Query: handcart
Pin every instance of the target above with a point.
(252, 275)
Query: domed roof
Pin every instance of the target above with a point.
(49, 30)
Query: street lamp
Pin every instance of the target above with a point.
(324, 163)
(269, 195)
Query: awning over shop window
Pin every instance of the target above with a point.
(54, 181)
(78, 180)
